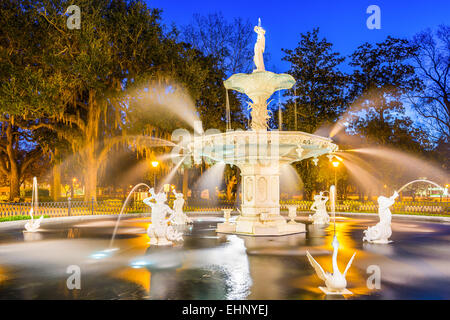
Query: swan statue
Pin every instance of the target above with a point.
(335, 282)
(33, 225)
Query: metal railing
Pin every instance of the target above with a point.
(112, 207)
(425, 207)
(73, 208)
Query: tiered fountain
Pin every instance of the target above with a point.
(259, 153)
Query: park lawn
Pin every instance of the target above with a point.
(18, 217)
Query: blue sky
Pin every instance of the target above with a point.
(342, 22)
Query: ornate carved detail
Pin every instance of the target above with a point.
(249, 186)
(274, 187)
(262, 189)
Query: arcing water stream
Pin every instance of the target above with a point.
(420, 180)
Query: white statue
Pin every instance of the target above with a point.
(381, 232)
(33, 225)
(335, 282)
(259, 47)
(259, 114)
(319, 206)
(292, 213)
(159, 231)
(179, 217)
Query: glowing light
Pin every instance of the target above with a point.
(140, 264)
(335, 164)
(155, 164)
(103, 254)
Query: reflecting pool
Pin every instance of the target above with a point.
(208, 265)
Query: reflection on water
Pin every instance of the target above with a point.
(32, 236)
(214, 266)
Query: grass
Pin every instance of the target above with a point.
(16, 218)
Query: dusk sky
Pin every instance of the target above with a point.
(342, 22)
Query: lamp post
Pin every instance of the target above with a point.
(335, 164)
(155, 164)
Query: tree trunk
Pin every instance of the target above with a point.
(14, 182)
(14, 169)
(91, 161)
(90, 181)
(56, 185)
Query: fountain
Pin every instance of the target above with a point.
(160, 233)
(259, 153)
(227, 226)
(319, 206)
(179, 217)
(34, 225)
(444, 190)
(121, 212)
(381, 232)
(292, 213)
(336, 283)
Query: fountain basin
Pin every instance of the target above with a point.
(238, 147)
(259, 84)
(259, 155)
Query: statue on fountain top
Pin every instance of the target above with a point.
(381, 232)
(260, 45)
(319, 206)
(260, 84)
(159, 231)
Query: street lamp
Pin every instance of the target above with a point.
(155, 164)
(335, 164)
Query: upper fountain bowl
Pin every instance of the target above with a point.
(259, 83)
(240, 147)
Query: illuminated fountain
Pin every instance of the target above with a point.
(180, 218)
(34, 225)
(381, 232)
(443, 190)
(335, 282)
(259, 153)
(319, 206)
(160, 233)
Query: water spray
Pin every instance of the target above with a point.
(333, 206)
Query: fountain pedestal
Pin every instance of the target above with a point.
(261, 204)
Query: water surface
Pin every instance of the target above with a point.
(213, 266)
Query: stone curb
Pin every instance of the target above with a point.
(59, 220)
(399, 216)
(355, 214)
